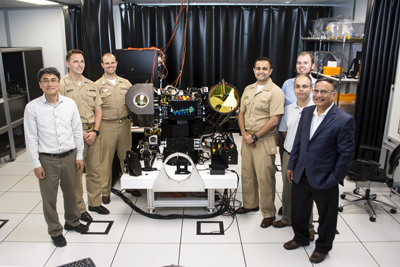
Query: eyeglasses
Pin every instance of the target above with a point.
(322, 91)
(52, 81)
(304, 86)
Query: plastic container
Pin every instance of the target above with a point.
(331, 71)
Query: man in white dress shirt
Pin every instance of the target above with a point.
(287, 127)
(54, 143)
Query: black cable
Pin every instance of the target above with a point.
(223, 207)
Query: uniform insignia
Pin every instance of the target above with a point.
(124, 88)
(70, 90)
(91, 90)
(105, 90)
(245, 97)
(263, 100)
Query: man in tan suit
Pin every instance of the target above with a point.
(86, 96)
(116, 127)
(260, 110)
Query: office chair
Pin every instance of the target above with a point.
(366, 169)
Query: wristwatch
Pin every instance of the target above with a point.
(254, 136)
(97, 132)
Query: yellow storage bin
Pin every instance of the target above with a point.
(331, 71)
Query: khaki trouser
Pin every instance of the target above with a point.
(287, 195)
(91, 159)
(258, 176)
(114, 137)
(58, 171)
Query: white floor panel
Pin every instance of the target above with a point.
(10, 225)
(381, 230)
(251, 232)
(27, 184)
(25, 253)
(345, 232)
(146, 255)
(16, 168)
(102, 254)
(200, 255)
(8, 181)
(261, 255)
(22, 157)
(385, 253)
(33, 228)
(19, 202)
(189, 231)
(141, 229)
(114, 236)
(346, 255)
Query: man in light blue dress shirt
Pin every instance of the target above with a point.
(54, 143)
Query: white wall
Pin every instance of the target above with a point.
(344, 9)
(3, 35)
(360, 10)
(40, 28)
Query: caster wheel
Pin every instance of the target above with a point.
(356, 191)
(342, 196)
(340, 209)
(393, 210)
(372, 219)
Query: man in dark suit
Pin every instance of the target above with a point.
(320, 159)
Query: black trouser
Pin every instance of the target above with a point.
(327, 204)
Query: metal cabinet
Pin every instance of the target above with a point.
(343, 82)
(18, 80)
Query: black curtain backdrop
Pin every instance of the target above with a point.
(73, 27)
(222, 41)
(378, 70)
(90, 28)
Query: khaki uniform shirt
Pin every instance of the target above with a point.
(113, 98)
(260, 106)
(86, 96)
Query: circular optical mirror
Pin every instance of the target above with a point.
(181, 170)
(141, 100)
(223, 98)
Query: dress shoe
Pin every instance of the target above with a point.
(134, 192)
(81, 228)
(105, 200)
(280, 211)
(312, 235)
(279, 224)
(267, 222)
(59, 241)
(86, 217)
(243, 210)
(292, 245)
(317, 257)
(99, 209)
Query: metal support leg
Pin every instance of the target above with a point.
(211, 200)
(150, 201)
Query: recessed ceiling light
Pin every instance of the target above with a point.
(39, 2)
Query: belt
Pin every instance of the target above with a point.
(121, 120)
(60, 155)
(89, 125)
(286, 151)
(117, 121)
